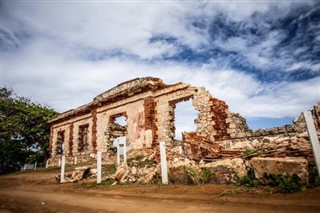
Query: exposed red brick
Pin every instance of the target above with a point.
(150, 117)
(197, 146)
(220, 115)
(94, 130)
(51, 141)
(71, 139)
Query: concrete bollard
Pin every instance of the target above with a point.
(62, 169)
(163, 158)
(98, 167)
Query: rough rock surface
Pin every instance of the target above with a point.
(177, 170)
(135, 174)
(227, 170)
(79, 173)
(280, 166)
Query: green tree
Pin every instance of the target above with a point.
(24, 131)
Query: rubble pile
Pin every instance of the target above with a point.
(79, 173)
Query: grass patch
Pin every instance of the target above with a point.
(139, 162)
(201, 176)
(110, 169)
(142, 164)
(136, 158)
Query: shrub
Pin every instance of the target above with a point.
(286, 183)
(314, 179)
(198, 176)
(248, 180)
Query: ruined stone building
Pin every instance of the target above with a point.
(148, 105)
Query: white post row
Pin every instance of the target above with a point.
(62, 169)
(98, 167)
(35, 166)
(313, 138)
(163, 159)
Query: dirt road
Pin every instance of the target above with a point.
(38, 192)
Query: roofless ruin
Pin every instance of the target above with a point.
(148, 106)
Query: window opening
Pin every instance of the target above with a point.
(83, 138)
(60, 143)
(185, 115)
(122, 121)
(117, 128)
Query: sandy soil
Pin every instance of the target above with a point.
(37, 191)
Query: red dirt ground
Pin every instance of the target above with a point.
(38, 191)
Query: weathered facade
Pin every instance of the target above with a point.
(148, 106)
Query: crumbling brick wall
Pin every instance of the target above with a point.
(149, 107)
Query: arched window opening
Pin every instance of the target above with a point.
(83, 134)
(60, 143)
(185, 115)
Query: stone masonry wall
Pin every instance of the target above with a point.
(149, 107)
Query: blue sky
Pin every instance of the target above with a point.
(262, 58)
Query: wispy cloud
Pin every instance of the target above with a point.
(263, 59)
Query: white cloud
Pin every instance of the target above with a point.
(53, 66)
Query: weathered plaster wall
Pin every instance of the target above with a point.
(149, 107)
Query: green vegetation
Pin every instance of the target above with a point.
(201, 176)
(140, 161)
(110, 169)
(103, 183)
(250, 152)
(283, 183)
(24, 132)
(249, 180)
(287, 183)
(314, 179)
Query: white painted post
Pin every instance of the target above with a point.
(118, 153)
(313, 138)
(47, 164)
(125, 151)
(35, 166)
(163, 158)
(62, 169)
(98, 167)
(75, 161)
(25, 167)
